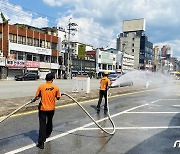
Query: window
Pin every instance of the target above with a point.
(72, 45)
(14, 54)
(54, 46)
(23, 40)
(34, 57)
(29, 56)
(0, 36)
(109, 67)
(47, 59)
(20, 39)
(42, 57)
(20, 55)
(133, 44)
(13, 38)
(133, 50)
(36, 42)
(104, 66)
(29, 41)
(54, 59)
(48, 45)
(42, 43)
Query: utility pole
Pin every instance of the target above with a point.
(71, 27)
(123, 50)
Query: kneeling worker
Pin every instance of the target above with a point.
(48, 92)
(104, 85)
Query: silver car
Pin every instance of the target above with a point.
(117, 82)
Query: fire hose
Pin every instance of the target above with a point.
(111, 133)
(6, 117)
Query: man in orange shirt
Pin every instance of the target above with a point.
(104, 85)
(48, 92)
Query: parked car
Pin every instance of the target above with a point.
(116, 79)
(113, 77)
(27, 76)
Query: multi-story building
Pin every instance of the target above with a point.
(156, 57)
(124, 61)
(105, 61)
(134, 42)
(28, 48)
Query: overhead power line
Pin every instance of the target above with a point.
(10, 9)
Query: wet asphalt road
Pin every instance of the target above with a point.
(146, 123)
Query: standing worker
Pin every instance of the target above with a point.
(104, 85)
(48, 92)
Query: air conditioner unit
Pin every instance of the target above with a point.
(1, 54)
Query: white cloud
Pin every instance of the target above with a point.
(40, 22)
(89, 32)
(59, 2)
(17, 15)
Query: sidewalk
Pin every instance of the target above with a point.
(9, 105)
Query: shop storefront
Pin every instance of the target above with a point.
(15, 67)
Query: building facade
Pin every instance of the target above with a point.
(28, 49)
(134, 42)
(105, 61)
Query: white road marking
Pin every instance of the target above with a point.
(72, 131)
(153, 112)
(156, 101)
(132, 128)
(176, 105)
(171, 99)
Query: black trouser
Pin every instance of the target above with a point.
(101, 94)
(45, 125)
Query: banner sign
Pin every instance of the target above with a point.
(32, 64)
(15, 63)
(81, 51)
(106, 58)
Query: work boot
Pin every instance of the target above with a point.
(105, 108)
(47, 136)
(98, 108)
(40, 145)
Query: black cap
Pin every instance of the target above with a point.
(49, 77)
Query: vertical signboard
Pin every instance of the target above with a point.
(81, 51)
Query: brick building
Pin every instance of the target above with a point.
(27, 48)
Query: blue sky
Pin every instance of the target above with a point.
(99, 21)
